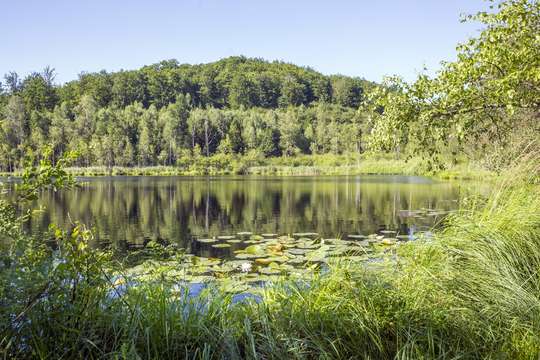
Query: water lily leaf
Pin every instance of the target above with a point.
(306, 234)
(297, 251)
(268, 271)
(275, 247)
(220, 246)
(356, 236)
(207, 240)
(256, 278)
(226, 237)
(263, 261)
(279, 259)
(306, 245)
(247, 256)
(196, 260)
(238, 263)
(254, 249)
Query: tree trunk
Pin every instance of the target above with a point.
(206, 137)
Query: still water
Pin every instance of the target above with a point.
(127, 212)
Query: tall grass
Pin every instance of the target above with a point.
(471, 292)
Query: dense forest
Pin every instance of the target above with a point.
(166, 111)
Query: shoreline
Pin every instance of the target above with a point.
(283, 167)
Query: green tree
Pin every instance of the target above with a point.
(478, 98)
(292, 92)
(129, 87)
(148, 137)
(14, 131)
(84, 127)
(243, 92)
(38, 92)
(346, 91)
(174, 121)
(60, 131)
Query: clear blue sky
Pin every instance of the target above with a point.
(368, 38)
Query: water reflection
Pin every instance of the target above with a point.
(127, 212)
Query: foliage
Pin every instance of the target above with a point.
(135, 136)
(491, 89)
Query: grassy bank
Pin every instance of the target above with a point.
(303, 165)
(471, 292)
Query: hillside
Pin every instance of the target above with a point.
(231, 82)
(166, 112)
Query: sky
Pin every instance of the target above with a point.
(365, 38)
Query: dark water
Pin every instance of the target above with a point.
(127, 212)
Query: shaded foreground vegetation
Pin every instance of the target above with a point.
(470, 292)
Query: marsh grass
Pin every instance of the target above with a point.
(471, 292)
(300, 165)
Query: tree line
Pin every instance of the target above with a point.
(156, 114)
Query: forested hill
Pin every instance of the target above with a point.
(166, 112)
(232, 82)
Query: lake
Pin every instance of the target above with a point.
(127, 212)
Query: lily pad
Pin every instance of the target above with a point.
(296, 251)
(269, 235)
(234, 241)
(254, 250)
(268, 271)
(207, 240)
(226, 237)
(244, 233)
(306, 234)
(252, 242)
(200, 261)
(244, 256)
(353, 236)
(221, 246)
(278, 259)
(263, 261)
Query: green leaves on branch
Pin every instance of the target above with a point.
(493, 84)
(46, 175)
